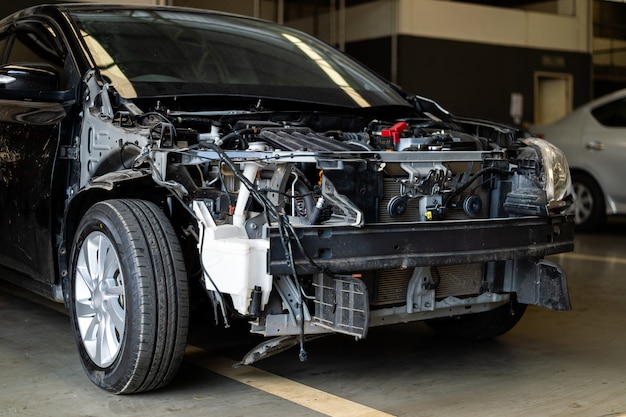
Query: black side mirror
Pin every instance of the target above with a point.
(31, 81)
(42, 77)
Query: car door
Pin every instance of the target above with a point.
(604, 139)
(31, 116)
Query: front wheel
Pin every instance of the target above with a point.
(479, 326)
(128, 296)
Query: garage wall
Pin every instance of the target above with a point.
(471, 78)
(568, 30)
(472, 58)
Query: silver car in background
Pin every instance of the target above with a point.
(593, 138)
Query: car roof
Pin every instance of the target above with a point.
(615, 95)
(52, 9)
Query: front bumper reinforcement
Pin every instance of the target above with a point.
(408, 245)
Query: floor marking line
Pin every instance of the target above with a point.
(596, 258)
(295, 392)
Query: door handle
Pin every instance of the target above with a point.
(594, 145)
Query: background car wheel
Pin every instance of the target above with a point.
(129, 299)
(479, 326)
(590, 211)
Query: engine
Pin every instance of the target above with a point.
(369, 176)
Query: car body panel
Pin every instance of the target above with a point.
(605, 153)
(26, 172)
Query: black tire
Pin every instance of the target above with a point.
(129, 300)
(590, 210)
(479, 326)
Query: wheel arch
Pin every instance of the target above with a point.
(117, 185)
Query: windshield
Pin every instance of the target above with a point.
(147, 53)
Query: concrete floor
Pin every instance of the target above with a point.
(551, 364)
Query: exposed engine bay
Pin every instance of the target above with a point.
(317, 222)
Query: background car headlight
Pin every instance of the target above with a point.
(557, 179)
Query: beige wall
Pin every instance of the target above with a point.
(473, 23)
(609, 52)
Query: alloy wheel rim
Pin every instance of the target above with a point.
(583, 203)
(100, 306)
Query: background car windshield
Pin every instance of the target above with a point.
(155, 53)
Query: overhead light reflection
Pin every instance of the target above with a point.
(328, 70)
(108, 67)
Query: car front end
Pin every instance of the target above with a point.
(285, 186)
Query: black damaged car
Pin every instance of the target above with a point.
(152, 156)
